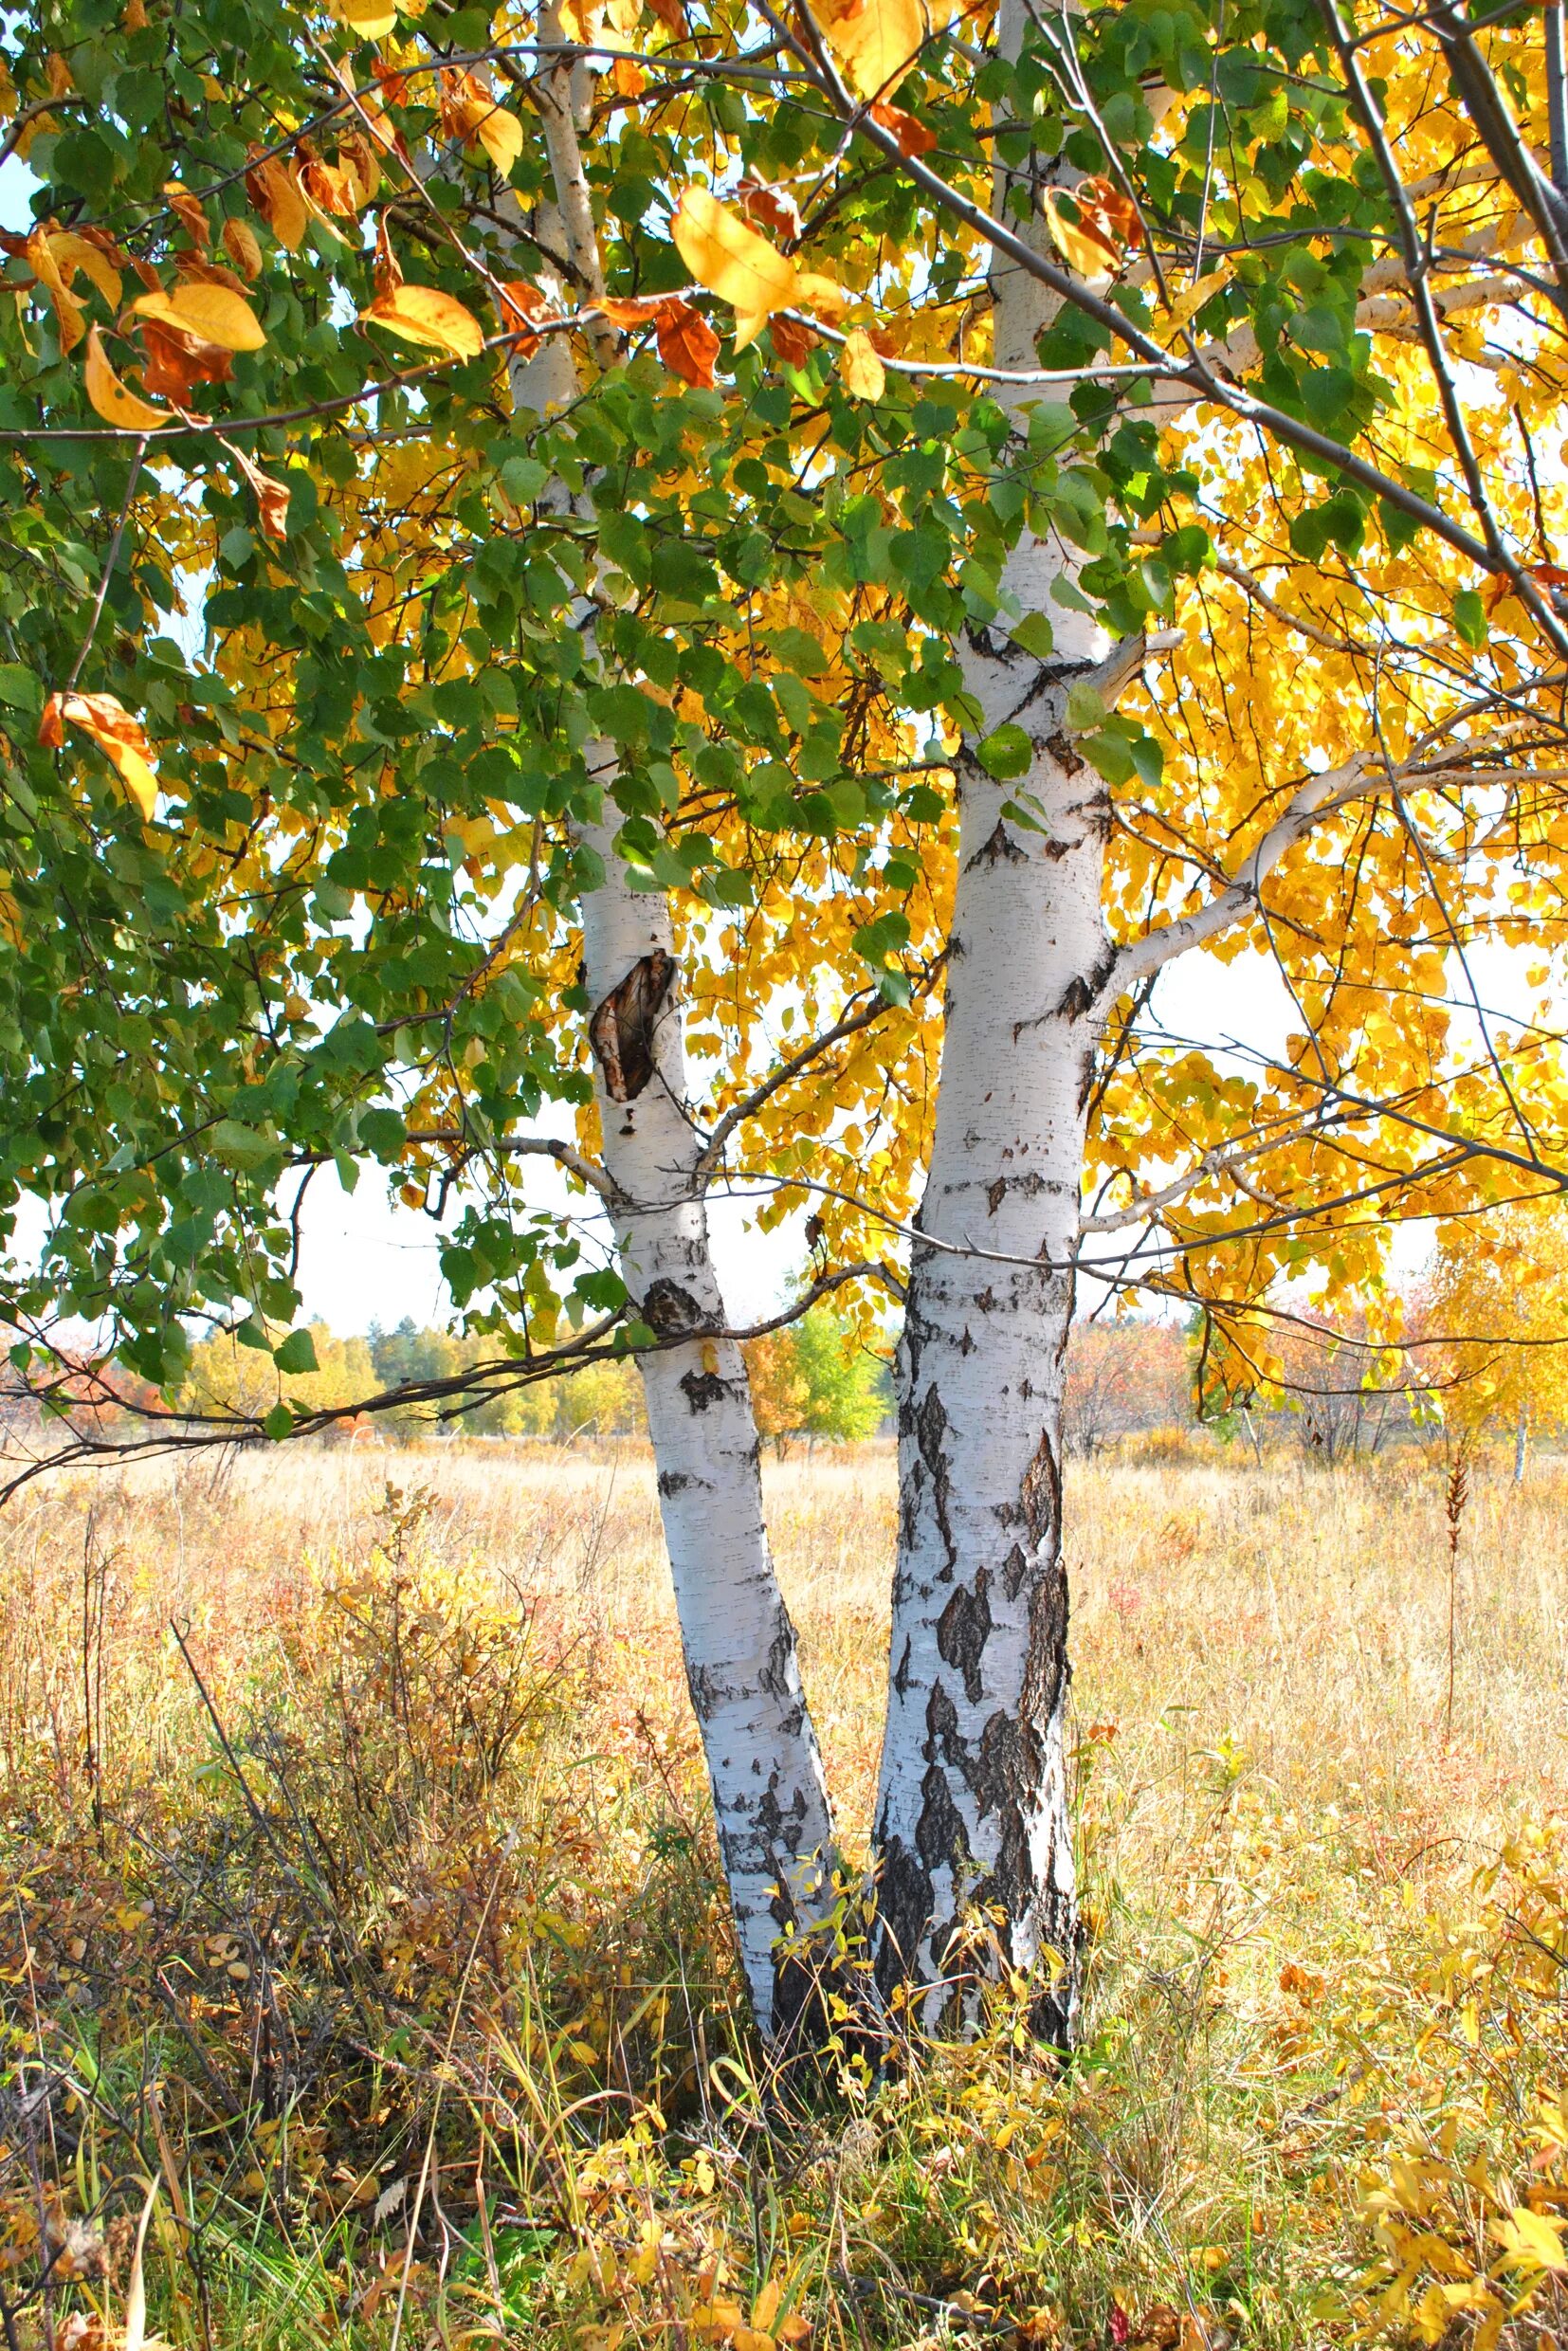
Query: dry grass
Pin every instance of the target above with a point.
(420, 1889)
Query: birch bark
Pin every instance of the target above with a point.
(972, 1818)
(770, 1794)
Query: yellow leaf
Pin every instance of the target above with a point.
(731, 260)
(1531, 2241)
(371, 19)
(211, 311)
(73, 253)
(108, 723)
(860, 367)
(710, 1359)
(67, 310)
(110, 398)
(500, 135)
(824, 296)
(877, 40)
(423, 314)
(1187, 305)
(135, 2289)
(1081, 247)
(765, 2308)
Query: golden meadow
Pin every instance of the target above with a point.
(361, 1932)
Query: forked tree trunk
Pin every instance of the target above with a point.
(972, 1827)
(770, 1796)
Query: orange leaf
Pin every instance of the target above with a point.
(191, 217)
(108, 723)
(670, 15)
(914, 137)
(628, 77)
(274, 190)
(687, 345)
(1110, 207)
(772, 208)
(109, 396)
(421, 314)
(792, 339)
(177, 362)
(240, 244)
(521, 307)
(195, 271)
(271, 496)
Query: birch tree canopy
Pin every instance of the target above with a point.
(591, 595)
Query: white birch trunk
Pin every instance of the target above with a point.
(770, 1794)
(973, 1811)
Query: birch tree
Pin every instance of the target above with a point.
(586, 592)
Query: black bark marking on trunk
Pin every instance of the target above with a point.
(675, 1480)
(621, 1028)
(1048, 1668)
(668, 1310)
(930, 1429)
(1001, 845)
(704, 1695)
(1066, 758)
(700, 1389)
(941, 1836)
(903, 1910)
(1014, 1572)
(900, 1678)
(962, 1630)
(774, 1676)
(1041, 1495)
(1080, 992)
(995, 1193)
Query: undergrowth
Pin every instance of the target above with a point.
(369, 1942)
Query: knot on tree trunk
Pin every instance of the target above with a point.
(622, 1029)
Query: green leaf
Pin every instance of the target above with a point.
(1005, 752)
(279, 1423)
(1035, 634)
(297, 1352)
(1084, 708)
(1470, 617)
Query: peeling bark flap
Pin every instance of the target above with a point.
(621, 1031)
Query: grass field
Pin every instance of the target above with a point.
(358, 1897)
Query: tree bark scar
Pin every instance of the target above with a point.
(700, 1389)
(995, 1193)
(1041, 1496)
(668, 1310)
(621, 1030)
(962, 1632)
(1000, 844)
(1066, 758)
(1046, 1666)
